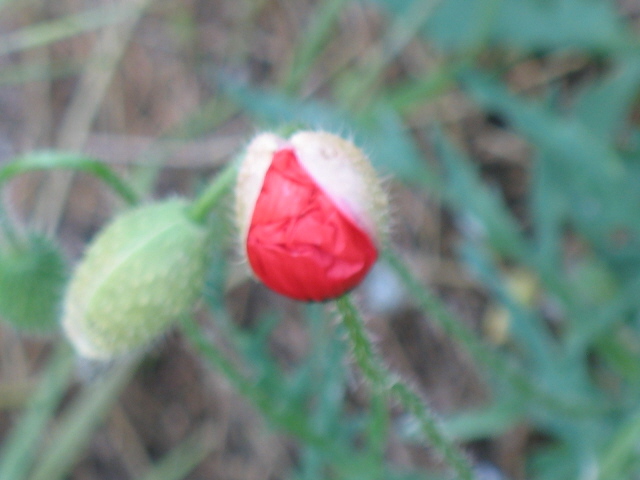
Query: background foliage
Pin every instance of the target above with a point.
(510, 292)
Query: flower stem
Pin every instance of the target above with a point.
(221, 184)
(46, 160)
(384, 381)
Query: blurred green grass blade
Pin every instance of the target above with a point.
(284, 399)
(554, 462)
(393, 151)
(324, 379)
(483, 213)
(294, 422)
(418, 92)
(359, 88)
(71, 435)
(23, 3)
(383, 136)
(603, 107)
(325, 375)
(276, 108)
(525, 24)
(548, 212)
(21, 447)
(377, 429)
(60, 28)
(58, 160)
(184, 458)
(604, 318)
(528, 388)
(536, 345)
(29, 72)
(585, 24)
(603, 196)
(619, 349)
(565, 138)
(621, 449)
(313, 42)
(486, 422)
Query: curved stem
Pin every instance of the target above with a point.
(384, 381)
(59, 160)
(221, 184)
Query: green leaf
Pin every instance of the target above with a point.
(481, 210)
(525, 24)
(600, 189)
(603, 107)
(548, 207)
(620, 449)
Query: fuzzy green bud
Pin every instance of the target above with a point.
(33, 274)
(140, 275)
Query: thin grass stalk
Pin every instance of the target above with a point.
(76, 123)
(384, 381)
(184, 458)
(312, 43)
(621, 449)
(296, 422)
(48, 32)
(80, 420)
(22, 445)
(244, 385)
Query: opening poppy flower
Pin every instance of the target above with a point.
(311, 211)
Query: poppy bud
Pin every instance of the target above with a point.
(142, 273)
(33, 275)
(311, 212)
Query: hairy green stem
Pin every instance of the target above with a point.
(221, 184)
(384, 381)
(46, 160)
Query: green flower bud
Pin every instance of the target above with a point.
(33, 274)
(140, 275)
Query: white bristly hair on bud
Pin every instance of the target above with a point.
(345, 174)
(258, 156)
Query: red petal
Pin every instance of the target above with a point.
(299, 243)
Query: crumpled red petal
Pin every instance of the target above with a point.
(299, 243)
